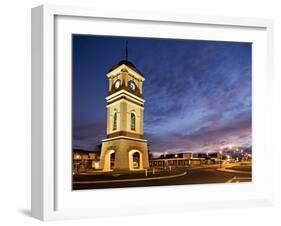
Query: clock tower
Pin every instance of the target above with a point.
(124, 148)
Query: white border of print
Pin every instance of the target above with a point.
(52, 197)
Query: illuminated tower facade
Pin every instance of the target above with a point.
(125, 148)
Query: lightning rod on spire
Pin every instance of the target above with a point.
(126, 50)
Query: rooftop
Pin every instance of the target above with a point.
(127, 63)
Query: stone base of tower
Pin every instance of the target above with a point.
(124, 149)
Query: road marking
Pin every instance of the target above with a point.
(238, 179)
(233, 171)
(231, 180)
(128, 180)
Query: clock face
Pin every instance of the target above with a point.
(117, 84)
(132, 85)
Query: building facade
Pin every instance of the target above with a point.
(125, 148)
(85, 160)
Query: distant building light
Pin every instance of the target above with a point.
(77, 156)
(96, 165)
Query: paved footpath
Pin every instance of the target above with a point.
(224, 169)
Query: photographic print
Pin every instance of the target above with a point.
(159, 112)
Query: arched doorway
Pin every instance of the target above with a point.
(109, 161)
(135, 160)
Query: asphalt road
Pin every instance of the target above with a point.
(193, 176)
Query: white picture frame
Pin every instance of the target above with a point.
(52, 197)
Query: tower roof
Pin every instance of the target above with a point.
(127, 63)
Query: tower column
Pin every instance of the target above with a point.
(141, 120)
(123, 116)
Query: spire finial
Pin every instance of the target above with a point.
(126, 50)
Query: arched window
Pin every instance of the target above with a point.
(115, 120)
(133, 121)
(112, 160)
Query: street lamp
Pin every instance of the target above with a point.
(228, 158)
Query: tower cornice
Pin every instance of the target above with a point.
(122, 92)
(124, 137)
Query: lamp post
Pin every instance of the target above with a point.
(207, 157)
(77, 157)
(176, 156)
(220, 152)
(165, 161)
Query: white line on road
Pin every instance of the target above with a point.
(238, 179)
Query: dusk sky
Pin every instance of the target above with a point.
(197, 93)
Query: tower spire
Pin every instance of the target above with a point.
(126, 50)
